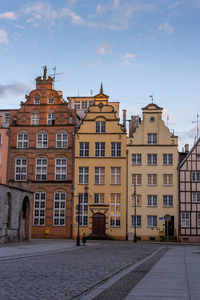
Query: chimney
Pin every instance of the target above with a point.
(124, 119)
(133, 125)
(186, 147)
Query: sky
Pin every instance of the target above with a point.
(136, 48)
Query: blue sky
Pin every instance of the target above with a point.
(135, 47)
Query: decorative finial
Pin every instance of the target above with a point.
(101, 88)
(45, 73)
(151, 96)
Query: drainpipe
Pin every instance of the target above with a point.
(124, 119)
(126, 194)
(73, 172)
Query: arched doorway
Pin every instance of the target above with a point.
(25, 219)
(99, 224)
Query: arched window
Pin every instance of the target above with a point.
(39, 208)
(37, 99)
(35, 118)
(22, 139)
(42, 139)
(62, 139)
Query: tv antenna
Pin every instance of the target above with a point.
(197, 122)
(151, 97)
(54, 75)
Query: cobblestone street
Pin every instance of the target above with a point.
(67, 274)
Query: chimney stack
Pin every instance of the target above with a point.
(133, 125)
(124, 119)
(186, 147)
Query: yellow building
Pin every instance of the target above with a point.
(100, 172)
(152, 170)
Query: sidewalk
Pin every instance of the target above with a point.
(176, 276)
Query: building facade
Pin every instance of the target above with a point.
(4, 144)
(41, 157)
(152, 170)
(100, 173)
(189, 195)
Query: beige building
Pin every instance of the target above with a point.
(152, 170)
(100, 172)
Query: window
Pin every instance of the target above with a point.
(37, 99)
(138, 221)
(51, 118)
(41, 168)
(152, 159)
(99, 175)
(91, 103)
(35, 118)
(115, 175)
(185, 219)
(151, 200)
(167, 159)
(61, 169)
(22, 140)
(167, 179)
(83, 213)
(152, 179)
(84, 149)
(100, 126)
(152, 138)
(0, 139)
(62, 140)
(196, 197)
(59, 208)
(198, 220)
(83, 175)
(137, 179)
(84, 104)
(6, 118)
(99, 198)
(198, 156)
(21, 169)
(136, 159)
(42, 140)
(195, 176)
(167, 200)
(0, 158)
(115, 210)
(151, 221)
(99, 149)
(138, 200)
(39, 208)
(51, 100)
(77, 105)
(116, 149)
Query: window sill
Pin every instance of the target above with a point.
(167, 206)
(152, 205)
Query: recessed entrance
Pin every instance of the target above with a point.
(99, 224)
(25, 216)
(170, 227)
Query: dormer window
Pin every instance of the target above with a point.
(37, 99)
(51, 118)
(100, 127)
(51, 100)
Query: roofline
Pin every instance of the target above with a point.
(16, 188)
(183, 161)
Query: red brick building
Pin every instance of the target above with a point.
(41, 157)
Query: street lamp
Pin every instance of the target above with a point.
(135, 237)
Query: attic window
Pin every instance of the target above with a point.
(152, 119)
(51, 100)
(37, 99)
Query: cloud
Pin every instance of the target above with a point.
(90, 64)
(13, 88)
(116, 4)
(3, 37)
(127, 59)
(166, 27)
(9, 15)
(104, 49)
(129, 56)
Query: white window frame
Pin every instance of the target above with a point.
(41, 169)
(152, 200)
(83, 206)
(84, 104)
(84, 149)
(59, 209)
(167, 159)
(62, 140)
(152, 159)
(51, 100)
(22, 140)
(138, 221)
(42, 140)
(6, 118)
(136, 159)
(185, 219)
(152, 221)
(37, 100)
(196, 197)
(138, 179)
(60, 168)
(115, 175)
(77, 105)
(100, 126)
(115, 203)
(152, 138)
(51, 117)
(99, 175)
(195, 176)
(100, 149)
(99, 198)
(152, 177)
(116, 149)
(169, 179)
(83, 177)
(20, 169)
(39, 209)
(35, 118)
(168, 200)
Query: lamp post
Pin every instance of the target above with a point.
(135, 237)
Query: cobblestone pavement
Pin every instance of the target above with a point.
(64, 276)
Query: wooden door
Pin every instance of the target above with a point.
(98, 224)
